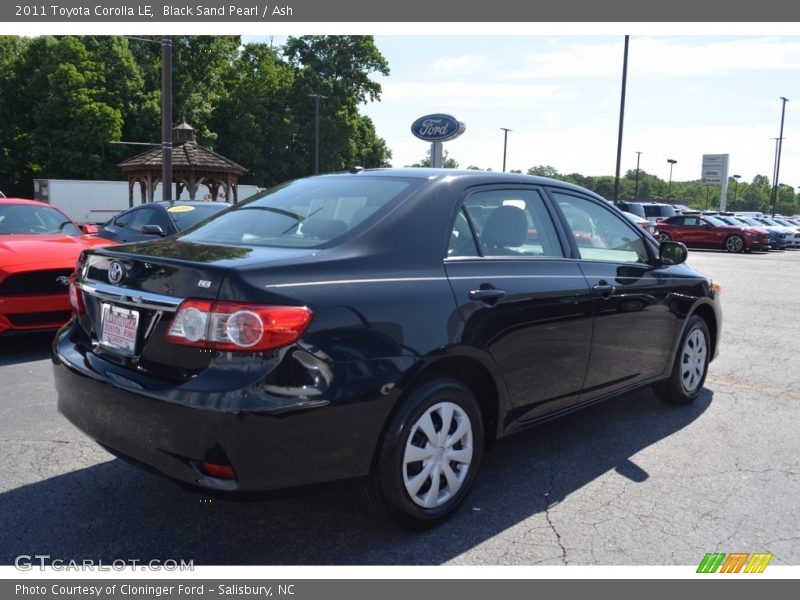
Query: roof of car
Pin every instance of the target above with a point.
(477, 175)
(22, 201)
(168, 203)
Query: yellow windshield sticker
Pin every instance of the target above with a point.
(180, 208)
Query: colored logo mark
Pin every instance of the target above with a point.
(736, 562)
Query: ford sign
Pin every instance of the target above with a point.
(437, 128)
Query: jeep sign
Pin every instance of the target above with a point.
(437, 128)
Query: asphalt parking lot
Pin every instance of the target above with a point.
(629, 482)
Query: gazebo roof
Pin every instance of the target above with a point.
(187, 155)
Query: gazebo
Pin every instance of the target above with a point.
(192, 166)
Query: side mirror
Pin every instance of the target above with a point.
(672, 253)
(153, 230)
(89, 229)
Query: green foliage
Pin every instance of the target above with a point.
(447, 162)
(750, 197)
(66, 98)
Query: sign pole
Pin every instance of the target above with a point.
(723, 192)
(437, 155)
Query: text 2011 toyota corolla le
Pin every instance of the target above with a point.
(384, 324)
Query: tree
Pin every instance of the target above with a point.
(447, 162)
(15, 124)
(254, 121)
(76, 118)
(338, 68)
(544, 171)
(201, 66)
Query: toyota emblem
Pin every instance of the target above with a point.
(116, 272)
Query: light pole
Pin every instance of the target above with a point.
(779, 143)
(735, 189)
(708, 193)
(671, 162)
(166, 118)
(636, 188)
(505, 145)
(316, 130)
(621, 116)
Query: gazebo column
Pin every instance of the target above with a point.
(192, 187)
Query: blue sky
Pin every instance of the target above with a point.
(686, 96)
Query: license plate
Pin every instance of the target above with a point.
(118, 328)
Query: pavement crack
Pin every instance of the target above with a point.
(548, 517)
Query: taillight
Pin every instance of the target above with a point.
(237, 326)
(76, 296)
(218, 471)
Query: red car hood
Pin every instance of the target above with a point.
(23, 252)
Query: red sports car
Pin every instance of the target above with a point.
(39, 246)
(704, 231)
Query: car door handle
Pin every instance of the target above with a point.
(604, 289)
(489, 296)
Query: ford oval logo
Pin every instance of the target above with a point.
(437, 128)
(116, 272)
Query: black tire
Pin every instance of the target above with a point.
(734, 243)
(689, 369)
(663, 237)
(387, 490)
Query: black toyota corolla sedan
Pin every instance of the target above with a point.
(385, 325)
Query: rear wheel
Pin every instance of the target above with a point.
(429, 456)
(663, 237)
(690, 367)
(734, 243)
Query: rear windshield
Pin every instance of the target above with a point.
(658, 210)
(307, 213)
(186, 215)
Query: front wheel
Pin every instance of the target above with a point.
(663, 237)
(429, 456)
(734, 243)
(690, 367)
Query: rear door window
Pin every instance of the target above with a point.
(504, 222)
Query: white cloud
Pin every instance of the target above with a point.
(468, 64)
(658, 58)
(466, 94)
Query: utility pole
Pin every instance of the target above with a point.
(779, 143)
(316, 130)
(621, 116)
(166, 118)
(505, 145)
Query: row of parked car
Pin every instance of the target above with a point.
(39, 246)
(731, 231)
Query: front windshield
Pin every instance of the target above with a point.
(32, 219)
(186, 215)
(715, 221)
(751, 221)
(306, 213)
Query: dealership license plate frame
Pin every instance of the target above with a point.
(118, 340)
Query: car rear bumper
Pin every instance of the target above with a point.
(174, 434)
